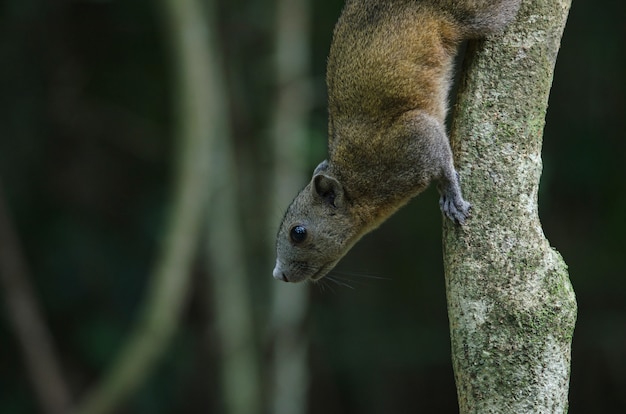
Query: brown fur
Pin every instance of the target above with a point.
(388, 77)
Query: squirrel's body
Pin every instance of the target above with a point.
(388, 77)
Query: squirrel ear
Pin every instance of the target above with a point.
(323, 166)
(328, 189)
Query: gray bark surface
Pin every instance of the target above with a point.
(511, 305)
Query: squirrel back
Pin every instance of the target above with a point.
(388, 77)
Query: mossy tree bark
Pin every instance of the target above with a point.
(511, 306)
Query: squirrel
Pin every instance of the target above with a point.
(388, 76)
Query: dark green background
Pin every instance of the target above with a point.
(86, 156)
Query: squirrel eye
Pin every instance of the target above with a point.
(298, 234)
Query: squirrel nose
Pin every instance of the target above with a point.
(278, 274)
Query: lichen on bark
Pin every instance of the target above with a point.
(511, 305)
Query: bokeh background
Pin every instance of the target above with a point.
(88, 148)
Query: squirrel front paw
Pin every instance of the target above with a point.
(455, 208)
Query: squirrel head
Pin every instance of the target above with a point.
(316, 231)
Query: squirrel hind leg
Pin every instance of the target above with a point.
(434, 160)
(451, 202)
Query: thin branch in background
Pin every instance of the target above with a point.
(226, 264)
(28, 322)
(168, 287)
(290, 303)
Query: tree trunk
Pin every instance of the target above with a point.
(511, 306)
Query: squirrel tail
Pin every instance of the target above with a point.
(479, 18)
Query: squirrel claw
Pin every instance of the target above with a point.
(456, 209)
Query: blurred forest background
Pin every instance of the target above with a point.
(96, 139)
